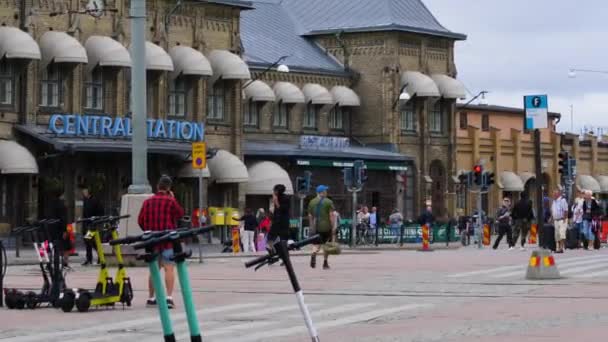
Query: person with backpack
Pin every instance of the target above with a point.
(321, 215)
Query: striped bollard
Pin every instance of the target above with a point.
(425, 239)
(533, 234)
(487, 236)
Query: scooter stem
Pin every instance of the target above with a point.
(161, 299)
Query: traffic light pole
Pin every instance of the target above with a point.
(302, 196)
(479, 220)
(539, 185)
(353, 226)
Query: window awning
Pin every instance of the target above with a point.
(419, 84)
(527, 176)
(587, 182)
(188, 61)
(105, 51)
(15, 43)
(228, 66)
(345, 97)
(450, 88)
(188, 172)
(225, 167)
(259, 91)
(16, 159)
(511, 182)
(157, 58)
(60, 47)
(263, 176)
(603, 180)
(288, 93)
(317, 94)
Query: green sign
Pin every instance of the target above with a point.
(370, 165)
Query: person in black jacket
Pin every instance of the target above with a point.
(58, 231)
(523, 215)
(91, 208)
(248, 232)
(280, 216)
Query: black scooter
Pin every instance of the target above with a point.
(53, 278)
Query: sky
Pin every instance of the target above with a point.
(525, 47)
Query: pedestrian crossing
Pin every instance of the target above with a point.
(246, 322)
(586, 267)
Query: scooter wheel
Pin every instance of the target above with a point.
(68, 301)
(10, 300)
(83, 303)
(30, 300)
(19, 300)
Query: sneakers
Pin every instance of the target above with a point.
(313, 261)
(511, 248)
(522, 248)
(152, 303)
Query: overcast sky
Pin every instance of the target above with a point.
(524, 47)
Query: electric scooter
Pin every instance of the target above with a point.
(149, 241)
(108, 291)
(281, 252)
(52, 273)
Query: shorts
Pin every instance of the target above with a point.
(165, 257)
(324, 237)
(560, 229)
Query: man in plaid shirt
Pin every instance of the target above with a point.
(161, 212)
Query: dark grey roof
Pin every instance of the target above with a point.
(284, 149)
(77, 144)
(234, 3)
(269, 32)
(328, 16)
(496, 108)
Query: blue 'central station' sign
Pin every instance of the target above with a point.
(120, 127)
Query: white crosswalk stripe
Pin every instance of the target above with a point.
(573, 267)
(218, 323)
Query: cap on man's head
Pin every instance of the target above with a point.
(322, 188)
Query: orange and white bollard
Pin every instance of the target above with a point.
(487, 235)
(236, 240)
(72, 237)
(533, 234)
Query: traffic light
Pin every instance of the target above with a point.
(347, 172)
(572, 171)
(489, 179)
(301, 185)
(466, 178)
(478, 174)
(564, 160)
(358, 173)
(307, 180)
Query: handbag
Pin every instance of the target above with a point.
(332, 248)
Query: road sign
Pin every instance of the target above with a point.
(199, 155)
(536, 107)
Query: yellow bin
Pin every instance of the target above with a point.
(217, 216)
(232, 216)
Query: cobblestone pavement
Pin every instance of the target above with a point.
(448, 295)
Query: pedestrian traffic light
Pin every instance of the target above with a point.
(489, 179)
(301, 185)
(478, 174)
(564, 160)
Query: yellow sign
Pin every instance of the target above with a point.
(199, 155)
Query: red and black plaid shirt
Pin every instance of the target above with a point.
(160, 212)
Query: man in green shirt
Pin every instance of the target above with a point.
(321, 215)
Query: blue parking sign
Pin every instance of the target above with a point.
(536, 108)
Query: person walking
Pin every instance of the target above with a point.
(280, 216)
(523, 215)
(503, 218)
(58, 231)
(590, 209)
(559, 216)
(161, 213)
(321, 215)
(373, 220)
(248, 233)
(577, 220)
(91, 207)
(396, 222)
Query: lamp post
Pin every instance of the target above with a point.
(139, 142)
(482, 101)
(404, 96)
(277, 63)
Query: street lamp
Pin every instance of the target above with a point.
(482, 101)
(404, 96)
(572, 72)
(280, 68)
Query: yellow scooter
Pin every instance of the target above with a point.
(108, 291)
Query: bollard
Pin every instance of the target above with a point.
(236, 240)
(533, 234)
(487, 235)
(72, 237)
(425, 239)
